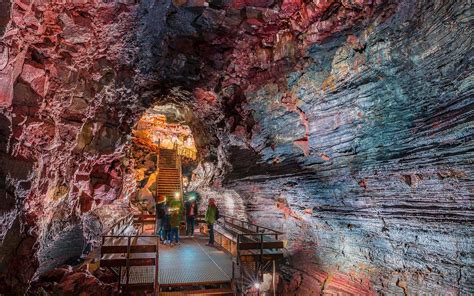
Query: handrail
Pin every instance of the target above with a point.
(157, 170)
(120, 222)
(186, 152)
(258, 227)
(156, 280)
(130, 238)
(251, 244)
(141, 223)
(119, 236)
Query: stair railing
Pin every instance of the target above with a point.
(180, 173)
(157, 170)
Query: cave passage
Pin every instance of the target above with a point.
(333, 138)
(162, 154)
(161, 246)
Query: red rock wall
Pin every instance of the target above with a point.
(61, 66)
(344, 122)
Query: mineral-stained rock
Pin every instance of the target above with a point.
(345, 124)
(64, 281)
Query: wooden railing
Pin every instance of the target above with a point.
(157, 171)
(118, 226)
(113, 248)
(248, 226)
(181, 192)
(186, 152)
(252, 244)
(131, 248)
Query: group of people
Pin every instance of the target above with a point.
(168, 218)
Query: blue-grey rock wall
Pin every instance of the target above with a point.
(373, 138)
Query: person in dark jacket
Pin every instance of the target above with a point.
(166, 226)
(160, 213)
(210, 218)
(191, 213)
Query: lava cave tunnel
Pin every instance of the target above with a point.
(334, 136)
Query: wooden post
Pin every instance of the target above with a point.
(273, 277)
(240, 264)
(128, 261)
(120, 277)
(157, 270)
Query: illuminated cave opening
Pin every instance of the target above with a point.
(159, 129)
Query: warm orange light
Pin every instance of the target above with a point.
(154, 132)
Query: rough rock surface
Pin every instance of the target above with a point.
(60, 134)
(66, 281)
(371, 146)
(346, 123)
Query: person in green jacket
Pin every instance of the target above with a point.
(175, 219)
(212, 214)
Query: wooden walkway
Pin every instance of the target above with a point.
(189, 264)
(246, 252)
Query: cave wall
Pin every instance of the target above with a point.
(61, 66)
(373, 143)
(345, 123)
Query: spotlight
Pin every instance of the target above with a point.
(257, 285)
(176, 194)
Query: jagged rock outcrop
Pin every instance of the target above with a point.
(346, 123)
(61, 66)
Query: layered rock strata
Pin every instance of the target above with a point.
(347, 124)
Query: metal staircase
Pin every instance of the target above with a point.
(169, 173)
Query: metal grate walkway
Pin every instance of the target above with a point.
(193, 262)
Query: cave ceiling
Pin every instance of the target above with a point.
(348, 124)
